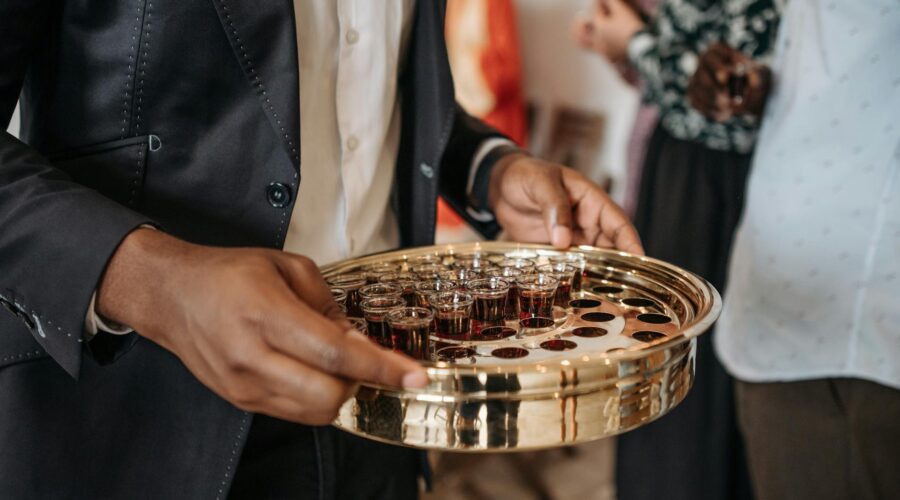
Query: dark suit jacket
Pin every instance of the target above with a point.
(178, 113)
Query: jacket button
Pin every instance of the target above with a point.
(426, 170)
(278, 194)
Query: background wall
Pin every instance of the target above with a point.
(559, 73)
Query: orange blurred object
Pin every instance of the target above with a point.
(483, 45)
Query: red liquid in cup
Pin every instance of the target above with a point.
(535, 304)
(563, 293)
(411, 340)
(353, 300)
(488, 311)
(455, 325)
(512, 303)
(377, 330)
(577, 282)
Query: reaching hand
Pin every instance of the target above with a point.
(538, 201)
(258, 327)
(728, 83)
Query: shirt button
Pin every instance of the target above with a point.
(278, 194)
(352, 143)
(352, 36)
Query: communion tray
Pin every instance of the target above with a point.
(619, 356)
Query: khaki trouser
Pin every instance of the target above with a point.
(821, 439)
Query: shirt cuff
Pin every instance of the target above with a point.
(479, 211)
(93, 323)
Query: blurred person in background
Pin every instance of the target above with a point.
(689, 203)
(811, 325)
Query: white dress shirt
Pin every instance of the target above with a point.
(814, 288)
(350, 55)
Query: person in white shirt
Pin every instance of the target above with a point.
(811, 324)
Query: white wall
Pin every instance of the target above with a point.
(558, 72)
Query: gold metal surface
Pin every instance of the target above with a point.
(603, 386)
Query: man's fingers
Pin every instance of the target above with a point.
(549, 193)
(291, 383)
(304, 278)
(596, 210)
(309, 337)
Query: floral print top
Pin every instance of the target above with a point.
(666, 53)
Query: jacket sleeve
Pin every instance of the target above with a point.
(56, 236)
(466, 139)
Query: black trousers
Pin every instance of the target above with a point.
(824, 439)
(282, 460)
(690, 201)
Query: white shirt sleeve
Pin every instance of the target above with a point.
(486, 147)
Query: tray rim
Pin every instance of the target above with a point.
(440, 369)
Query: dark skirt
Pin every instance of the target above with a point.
(689, 205)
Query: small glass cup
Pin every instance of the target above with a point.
(536, 295)
(351, 283)
(522, 253)
(460, 275)
(409, 331)
(452, 314)
(476, 263)
(428, 258)
(428, 271)
(510, 274)
(489, 305)
(359, 324)
(340, 296)
(573, 259)
(375, 311)
(494, 258)
(407, 283)
(424, 289)
(379, 269)
(526, 265)
(379, 290)
(475, 254)
(565, 273)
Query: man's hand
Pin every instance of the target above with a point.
(609, 29)
(728, 83)
(539, 201)
(259, 327)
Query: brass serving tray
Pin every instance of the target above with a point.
(609, 377)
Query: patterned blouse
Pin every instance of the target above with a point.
(666, 53)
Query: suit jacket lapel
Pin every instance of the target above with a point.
(263, 36)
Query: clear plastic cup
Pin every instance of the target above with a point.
(536, 295)
(375, 312)
(452, 314)
(409, 328)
